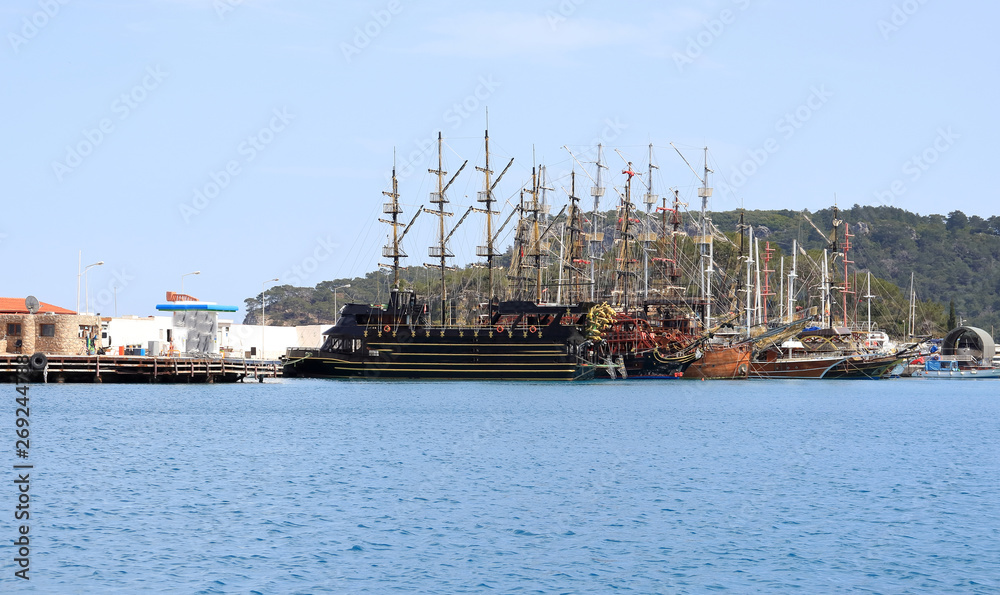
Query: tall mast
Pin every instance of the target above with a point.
(486, 196)
(544, 208)
(706, 247)
(541, 216)
(441, 250)
(649, 199)
(749, 288)
(869, 297)
(836, 238)
(392, 250)
(768, 250)
(562, 251)
(575, 245)
(791, 281)
(625, 255)
(758, 298)
(515, 275)
(527, 244)
(781, 291)
(825, 292)
(536, 243)
(675, 274)
(912, 319)
(596, 237)
(847, 282)
(739, 278)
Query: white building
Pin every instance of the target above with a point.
(233, 340)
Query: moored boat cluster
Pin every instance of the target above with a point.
(641, 297)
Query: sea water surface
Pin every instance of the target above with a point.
(307, 486)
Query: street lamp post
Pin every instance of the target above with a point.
(86, 286)
(262, 318)
(185, 275)
(336, 312)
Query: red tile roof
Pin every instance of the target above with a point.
(16, 306)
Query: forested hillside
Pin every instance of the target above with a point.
(953, 259)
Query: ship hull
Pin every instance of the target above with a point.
(447, 354)
(961, 374)
(651, 365)
(860, 367)
(722, 362)
(799, 368)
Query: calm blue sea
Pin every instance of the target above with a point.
(302, 486)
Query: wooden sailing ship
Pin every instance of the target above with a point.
(868, 352)
(658, 329)
(506, 340)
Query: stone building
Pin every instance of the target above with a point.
(52, 330)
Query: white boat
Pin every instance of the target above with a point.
(953, 368)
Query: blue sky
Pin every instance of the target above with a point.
(252, 140)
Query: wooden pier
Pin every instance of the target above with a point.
(133, 369)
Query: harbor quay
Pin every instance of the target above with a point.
(190, 343)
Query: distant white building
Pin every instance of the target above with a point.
(194, 328)
(232, 340)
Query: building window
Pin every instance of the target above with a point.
(48, 330)
(13, 329)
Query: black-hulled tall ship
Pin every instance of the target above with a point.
(506, 340)
(516, 341)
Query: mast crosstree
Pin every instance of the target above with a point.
(441, 251)
(394, 248)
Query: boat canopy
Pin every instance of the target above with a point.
(969, 340)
